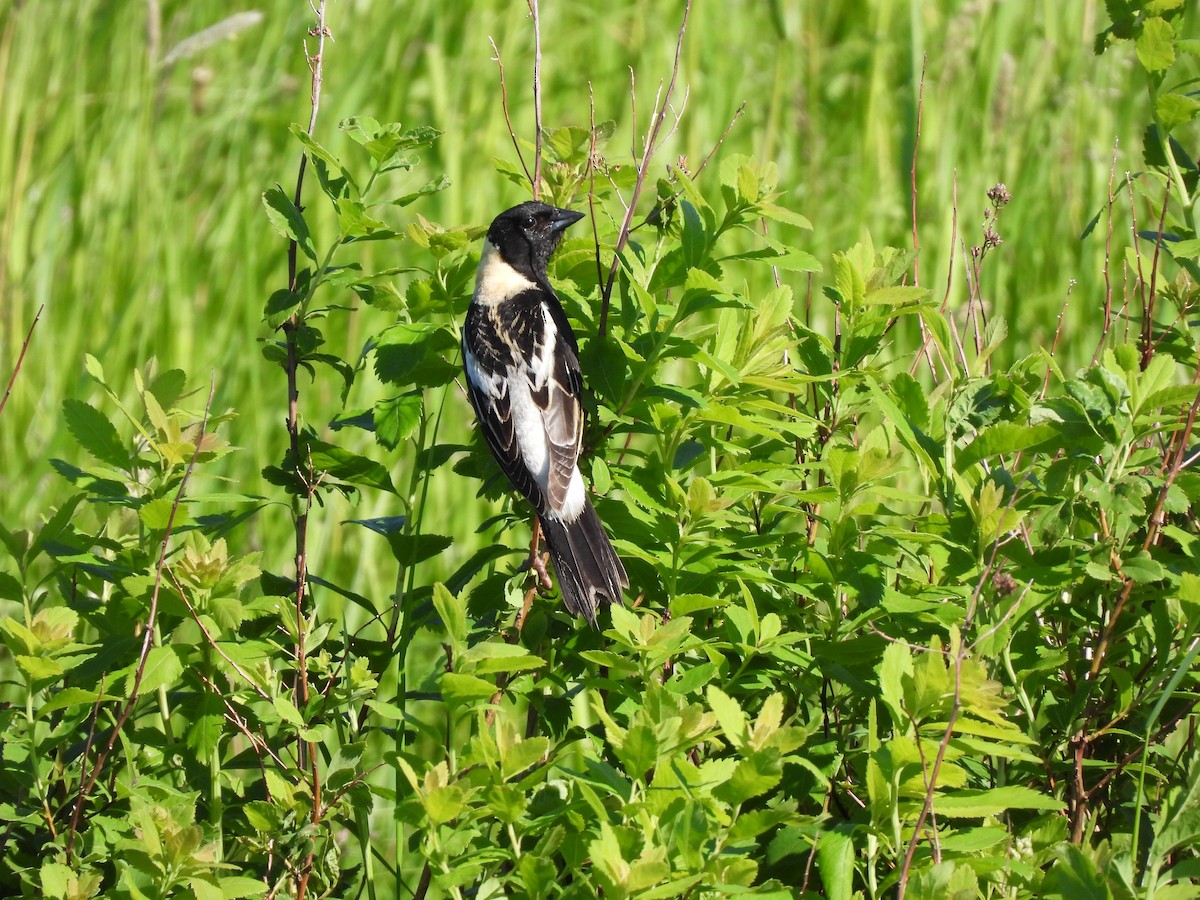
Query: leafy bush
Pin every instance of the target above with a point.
(927, 635)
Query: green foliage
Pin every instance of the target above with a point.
(902, 619)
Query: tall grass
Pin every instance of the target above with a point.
(129, 186)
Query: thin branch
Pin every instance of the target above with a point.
(21, 357)
(658, 116)
(591, 173)
(512, 134)
(304, 470)
(1062, 311)
(925, 346)
(1148, 309)
(89, 782)
(913, 177)
(1108, 293)
(211, 640)
(537, 99)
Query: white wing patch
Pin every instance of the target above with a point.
(541, 432)
(491, 386)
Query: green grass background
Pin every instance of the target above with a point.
(133, 153)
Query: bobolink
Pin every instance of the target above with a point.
(522, 366)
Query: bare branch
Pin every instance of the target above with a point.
(21, 357)
(512, 134)
(657, 118)
(89, 781)
(537, 99)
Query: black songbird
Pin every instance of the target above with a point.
(522, 365)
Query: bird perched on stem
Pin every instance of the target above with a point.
(522, 366)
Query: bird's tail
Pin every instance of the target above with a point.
(587, 566)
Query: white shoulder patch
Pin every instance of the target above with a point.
(496, 280)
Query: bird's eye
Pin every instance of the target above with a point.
(530, 221)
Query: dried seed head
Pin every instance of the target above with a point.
(1004, 583)
(999, 196)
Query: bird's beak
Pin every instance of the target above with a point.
(563, 219)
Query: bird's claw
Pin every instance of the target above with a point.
(538, 565)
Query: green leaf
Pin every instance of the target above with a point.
(752, 777)
(638, 751)
(397, 418)
(55, 880)
(411, 549)
(1180, 826)
(1173, 110)
(431, 187)
(452, 612)
(1156, 45)
(1005, 437)
(517, 659)
(410, 353)
(518, 756)
(463, 689)
(835, 862)
(287, 711)
(973, 804)
(71, 697)
(729, 715)
(1143, 568)
(896, 296)
(163, 669)
(443, 804)
(95, 433)
(288, 220)
(234, 887)
(787, 216)
(156, 514)
(349, 467)
(40, 668)
(204, 734)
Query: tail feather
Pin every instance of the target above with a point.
(587, 566)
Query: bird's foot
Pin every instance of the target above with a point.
(538, 564)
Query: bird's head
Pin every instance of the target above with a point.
(526, 235)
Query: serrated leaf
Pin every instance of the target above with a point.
(163, 669)
(156, 514)
(1005, 437)
(204, 734)
(343, 465)
(463, 689)
(835, 862)
(95, 433)
(897, 295)
(395, 419)
(518, 756)
(70, 697)
(1156, 45)
(974, 804)
(287, 711)
(288, 220)
(40, 668)
(1143, 569)
(453, 613)
(729, 715)
(234, 887)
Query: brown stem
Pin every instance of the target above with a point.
(1148, 307)
(89, 781)
(537, 99)
(305, 751)
(657, 117)
(512, 134)
(1108, 310)
(21, 357)
(913, 177)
